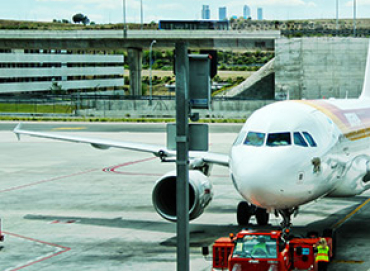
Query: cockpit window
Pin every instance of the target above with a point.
(240, 138)
(255, 139)
(310, 139)
(299, 140)
(278, 139)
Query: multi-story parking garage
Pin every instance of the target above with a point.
(24, 71)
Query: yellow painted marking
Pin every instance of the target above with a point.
(341, 222)
(70, 128)
(351, 262)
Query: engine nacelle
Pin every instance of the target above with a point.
(164, 195)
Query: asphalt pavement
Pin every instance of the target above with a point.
(67, 206)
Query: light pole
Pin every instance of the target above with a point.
(141, 13)
(337, 22)
(150, 72)
(124, 19)
(354, 18)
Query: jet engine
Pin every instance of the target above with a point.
(164, 195)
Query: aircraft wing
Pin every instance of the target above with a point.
(99, 143)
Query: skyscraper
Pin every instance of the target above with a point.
(206, 13)
(222, 13)
(246, 12)
(259, 14)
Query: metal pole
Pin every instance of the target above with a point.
(337, 21)
(141, 13)
(150, 72)
(182, 155)
(124, 20)
(354, 18)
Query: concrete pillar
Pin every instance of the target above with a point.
(135, 60)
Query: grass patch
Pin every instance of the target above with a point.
(36, 108)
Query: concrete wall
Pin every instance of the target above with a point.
(260, 85)
(314, 68)
(166, 108)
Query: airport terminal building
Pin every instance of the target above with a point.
(25, 71)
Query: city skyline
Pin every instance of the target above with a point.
(259, 13)
(206, 13)
(222, 13)
(111, 11)
(246, 11)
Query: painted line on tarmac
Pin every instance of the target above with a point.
(60, 250)
(347, 217)
(113, 169)
(337, 225)
(46, 181)
(349, 262)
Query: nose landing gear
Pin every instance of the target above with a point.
(286, 215)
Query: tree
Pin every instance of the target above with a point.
(80, 18)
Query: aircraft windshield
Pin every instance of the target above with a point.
(240, 138)
(302, 139)
(310, 140)
(256, 246)
(278, 139)
(255, 139)
(299, 140)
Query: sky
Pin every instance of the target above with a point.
(111, 11)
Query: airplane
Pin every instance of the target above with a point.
(287, 154)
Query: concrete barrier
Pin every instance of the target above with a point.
(166, 108)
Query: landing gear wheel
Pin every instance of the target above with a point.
(243, 213)
(262, 217)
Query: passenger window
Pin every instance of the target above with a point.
(255, 139)
(278, 139)
(299, 140)
(310, 140)
(240, 138)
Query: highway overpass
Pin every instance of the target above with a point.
(114, 39)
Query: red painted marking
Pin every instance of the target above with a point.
(114, 168)
(45, 181)
(63, 221)
(65, 249)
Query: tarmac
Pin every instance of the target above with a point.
(67, 206)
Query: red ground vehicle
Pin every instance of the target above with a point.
(266, 251)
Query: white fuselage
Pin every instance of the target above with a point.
(293, 152)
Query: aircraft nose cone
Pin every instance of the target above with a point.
(257, 184)
(265, 180)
